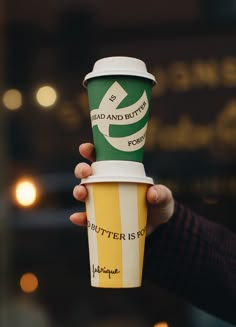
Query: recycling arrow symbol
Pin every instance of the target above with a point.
(107, 114)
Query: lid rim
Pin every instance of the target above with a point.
(117, 179)
(119, 73)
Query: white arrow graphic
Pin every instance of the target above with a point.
(129, 143)
(108, 114)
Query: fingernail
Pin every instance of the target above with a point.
(155, 194)
(72, 215)
(82, 170)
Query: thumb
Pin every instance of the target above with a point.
(159, 194)
(161, 206)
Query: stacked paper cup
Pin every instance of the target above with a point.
(119, 91)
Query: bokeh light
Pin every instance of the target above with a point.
(161, 324)
(12, 99)
(46, 96)
(210, 200)
(29, 282)
(26, 192)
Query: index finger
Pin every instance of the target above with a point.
(87, 150)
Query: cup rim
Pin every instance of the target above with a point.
(117, 179)
(145, 75)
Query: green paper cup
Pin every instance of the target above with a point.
(119, 91)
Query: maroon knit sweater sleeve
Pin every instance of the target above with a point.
(196, 259)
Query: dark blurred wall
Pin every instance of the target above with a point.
(117, 13)
(5, 237)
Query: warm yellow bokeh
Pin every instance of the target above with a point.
(26, 192)
(161, 324)
(12, 99)
(29, 282)
(46, 96)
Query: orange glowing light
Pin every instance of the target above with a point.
(161, 324)
(29, 282)
(26, 192)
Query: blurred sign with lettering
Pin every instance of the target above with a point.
(191, 137)
(192, 128)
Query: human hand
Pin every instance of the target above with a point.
(159, 197)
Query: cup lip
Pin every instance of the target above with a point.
(119, 73)
(118, 179)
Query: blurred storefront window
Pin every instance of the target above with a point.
(46, 50)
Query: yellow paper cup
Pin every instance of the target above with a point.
(117, 216)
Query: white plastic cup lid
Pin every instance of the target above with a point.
(119, 66)
(118, 171)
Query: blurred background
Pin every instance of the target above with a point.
(46, 48)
